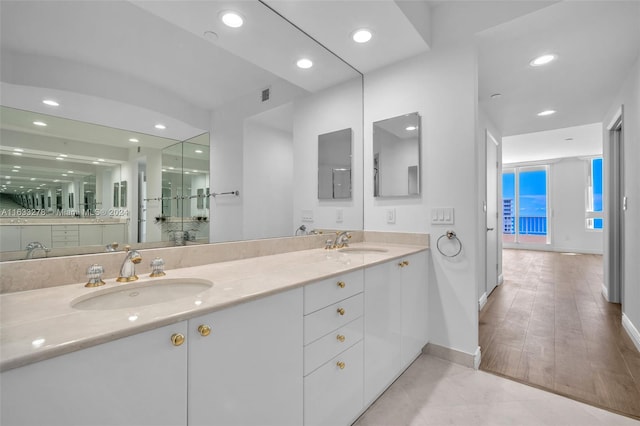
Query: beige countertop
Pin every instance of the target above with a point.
(40, 324)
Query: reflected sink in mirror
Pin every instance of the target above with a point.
(363, 250)
(141, 294)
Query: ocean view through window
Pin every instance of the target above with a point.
(525, 205)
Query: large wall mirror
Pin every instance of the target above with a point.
(217, 126)
(396, 156)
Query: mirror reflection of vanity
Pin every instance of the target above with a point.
(396, 156)
(129, 66)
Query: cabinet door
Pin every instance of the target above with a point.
(415, 330)
(248, 370)
(90, 235)
(10, 238)
(113, 233)
(41, 233)
(136, 380)
(382, 313)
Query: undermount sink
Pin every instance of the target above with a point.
(363, 250)
(141, 294)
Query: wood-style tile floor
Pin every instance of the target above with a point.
(548, 325)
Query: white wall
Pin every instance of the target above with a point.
(336, 108)
(568, 179)
(267, 181)
(442, 87)
(629, 97)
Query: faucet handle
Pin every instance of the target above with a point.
(157, 267)
(94, 272)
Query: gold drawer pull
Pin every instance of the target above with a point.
(401, 264)
(341, 284)
(406, 263)
(341, 311)
(340, 337)
(204, 330)
(177, 339)
(341, 365)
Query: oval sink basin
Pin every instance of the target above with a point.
(363, 250)
(141, 294)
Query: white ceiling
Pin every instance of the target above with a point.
(573, 141)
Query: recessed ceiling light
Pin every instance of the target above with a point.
(50, 102)
(56, 180)
(17, 153)
(186, 173)
(14, 171)
(134, 140)
(361, 36)
(542, 60)
(170, 168)
(496, 96)
(194, 171)
(69, 171)
(546, 112)
(101, 159)
(40, 123)
(95, 162)
(32, 179)
(18, 149)
(63, 155)
(59, 158)
(198, 151)
(232, 19)
(410, 128)
(304, 63)
(64, 174)
(17, 167)
(160, 126)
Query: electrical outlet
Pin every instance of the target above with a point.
(391, 215)
(307, 215)
(339, 215)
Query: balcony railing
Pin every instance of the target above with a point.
(527, 225)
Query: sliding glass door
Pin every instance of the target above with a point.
(525, 205)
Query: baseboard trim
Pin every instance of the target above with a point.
(539, 247)
(605, 292)
(453, 355)
(482, 301)
(500, 279)
(631, 330)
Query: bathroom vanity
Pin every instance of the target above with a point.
(308, 337)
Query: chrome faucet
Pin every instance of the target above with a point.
(342, 240)
(128, 268)
(36, 245)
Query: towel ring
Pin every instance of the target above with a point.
(451, 235)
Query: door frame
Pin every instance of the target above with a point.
(613, 288)
(495, 234)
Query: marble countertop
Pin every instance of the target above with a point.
(40, 324)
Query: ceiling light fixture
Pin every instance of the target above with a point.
(362, 35)
(17, 153)
(198, 151)
(232, 19)
(50, 102)
(410, 128)
(542, 60)
(101, 159)
(160, 126)
(40, 123)
(134, 140)
(546, 112)
(304, 63)
(63, 155)
(18, 149)
(59, 158)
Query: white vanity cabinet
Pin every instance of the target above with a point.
(245, 364)
(333, 351)
(396, 322)
(136, 380)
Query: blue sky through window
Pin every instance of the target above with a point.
(533, 193)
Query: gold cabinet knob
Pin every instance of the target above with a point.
(341, 284)
(177, 339)
(204, 330)
(406, 263)
(401, 264)
(341, 311)
(341, 365)
(340, 337)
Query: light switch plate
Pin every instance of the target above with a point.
(339, 215)
(391, 215)
(307, 215)
(442, 216)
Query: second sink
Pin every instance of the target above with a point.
(141, 294)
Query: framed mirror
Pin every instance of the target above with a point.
(396, 156)
(334, 165)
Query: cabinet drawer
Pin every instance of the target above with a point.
(329, 319)
(325, 292)
(64, 234)
(325, 348)
(333, 396)
(64, 228)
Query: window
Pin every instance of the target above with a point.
(594, 210)
(524, 205)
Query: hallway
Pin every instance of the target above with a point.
(548, 325)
